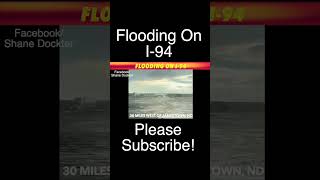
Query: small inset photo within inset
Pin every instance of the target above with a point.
(161, 94)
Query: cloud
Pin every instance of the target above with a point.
(238, 55)
(88, 42)
(230, 35)
(161, 81)
(83, 67)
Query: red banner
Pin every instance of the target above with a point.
(98, 13)
(159, 65)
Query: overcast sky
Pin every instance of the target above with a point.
(238, 57)
(161, 81)
(83, 67)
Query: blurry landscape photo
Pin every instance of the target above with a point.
(237, 90)
(161, 94)
(84, 104)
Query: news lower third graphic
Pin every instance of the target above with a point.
(160, 94)
(98, 13)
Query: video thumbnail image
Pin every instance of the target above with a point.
(161, 94)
